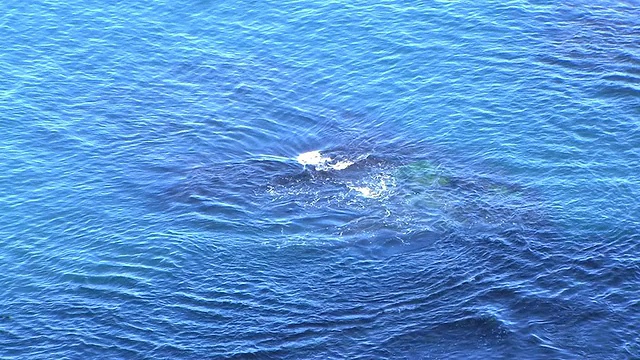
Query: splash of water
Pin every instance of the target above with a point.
(322, 163)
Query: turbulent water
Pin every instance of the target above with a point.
(320, 179)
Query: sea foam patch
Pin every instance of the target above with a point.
(378, 186)
(322, 163)
(312, 158)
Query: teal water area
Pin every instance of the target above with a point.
(320, 179)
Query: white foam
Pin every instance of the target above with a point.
(341, 165)
(379, 187)
(312, 158)
(365, 191)
(322, 163)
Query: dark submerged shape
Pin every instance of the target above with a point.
(390, 195)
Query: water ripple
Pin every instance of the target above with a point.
(477, 197)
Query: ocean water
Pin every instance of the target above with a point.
(315, 179)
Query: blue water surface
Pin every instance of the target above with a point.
(476, 195)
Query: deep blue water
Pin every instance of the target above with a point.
(477, 197)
